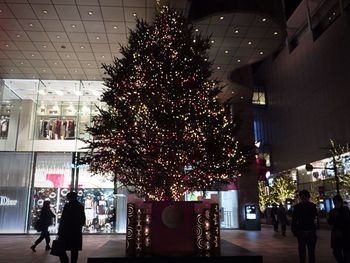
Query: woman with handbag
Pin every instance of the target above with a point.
(45, 220)
(70, 229)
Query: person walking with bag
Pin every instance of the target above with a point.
(339, 218)
(45, 220)
(70, 229)
(304, 227)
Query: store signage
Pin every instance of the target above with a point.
(6, 201)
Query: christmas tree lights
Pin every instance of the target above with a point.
(164, 131)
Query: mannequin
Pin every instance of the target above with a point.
(89, 206)
(102, 210)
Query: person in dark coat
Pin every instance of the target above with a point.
(45, 220)
(70, 229)
(304, 227)
(339, 218)
(274, 219)
(282, 218)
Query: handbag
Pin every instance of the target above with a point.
(57, 248)
(38, 225)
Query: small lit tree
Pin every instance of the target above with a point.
(264, 197)
(283, 188)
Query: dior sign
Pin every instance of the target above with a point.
(6, 201)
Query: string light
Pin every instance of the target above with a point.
(163, 132)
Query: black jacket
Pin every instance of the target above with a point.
(303, 218)
(70, 229)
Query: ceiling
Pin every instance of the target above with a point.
(70, 39)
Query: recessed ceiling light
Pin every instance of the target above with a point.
(44, 70)
(242, 98)
(275, 33)
(261, 52)
(32, 55)
(45, 11)
(196, 30)
(236, 31)
(232, 92)
(264, 19)
(194, 41)
(226, 51)
(75, 71)
(212, 41)
(90, 13)
(134, 14)
(58, 37)
(115, 27)
(18, 35)
(88, 64)
(67, 56)
(97, 37)
(21, 63)
(238, 60)
(11, 69)
(102, 56)
(59, 92)
(221, 18)
(6, 45)
(44, 46)
(218, 68)
(73, 26)
(82, 47)
(250, 42)
(30, 24)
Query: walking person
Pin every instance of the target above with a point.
(282, 218)
(339, 218)
(304, 227)
(70, 229)
(45, 220)
(274, 219)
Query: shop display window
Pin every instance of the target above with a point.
(52, 182)
(5, 111)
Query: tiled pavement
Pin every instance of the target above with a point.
(273, 247)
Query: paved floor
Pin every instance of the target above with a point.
(273, 247)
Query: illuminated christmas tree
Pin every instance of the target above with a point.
(164, 131)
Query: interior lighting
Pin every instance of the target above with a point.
(44, 70)
(115, 27)
(261, 52)
(134, 14)
(102, 56)
(96, 93)
(250, 42)
(44, 46)
(0, 10)
(55, 63)
(59, 92)
(226, 51)
(78, 92)
(11, 69)
(238, 60)
(90, 13)
(67, 56)
(222, 18)
(275, 33)
(218, 68)
(82, 47)
(212, 41)
(73, 26)
(6, 45)
(264, 19)
(18, 35)
(236, 31)
(58, 37)
(21, 63)
(88, 64)
(242, 98)
(196, 30)
(32, 55)
(45, 11)
(31, 25)
(97, 37)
